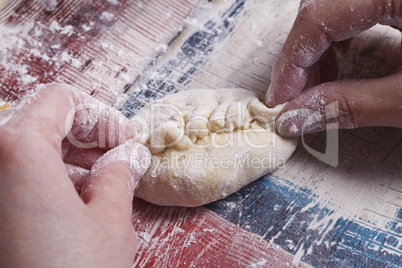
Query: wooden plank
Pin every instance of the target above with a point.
(98, 46)
(349, 215)
(196, 237)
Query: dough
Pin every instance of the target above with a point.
(207, 144)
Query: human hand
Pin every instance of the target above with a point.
(45, 222)
(308, 59)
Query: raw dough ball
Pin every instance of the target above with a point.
(207, 144)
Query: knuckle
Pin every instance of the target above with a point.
(347, 118)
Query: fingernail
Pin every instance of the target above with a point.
(269, 97)
(136, 155)
(295, 123)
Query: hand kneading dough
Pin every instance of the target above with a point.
(207, 144)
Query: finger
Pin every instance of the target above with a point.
(350, 104)
(318, 24)
(84, 158)
(97, 125)
(56, 109)
(31, 138)
(38, 124)
(78, 176)
(108, 192)
(325, 70)
(111, 184)
(44, 112)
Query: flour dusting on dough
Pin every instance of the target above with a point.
(207, 144)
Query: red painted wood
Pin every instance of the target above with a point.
(196, 237)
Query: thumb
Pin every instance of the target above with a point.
(350, 104)
(110, 187)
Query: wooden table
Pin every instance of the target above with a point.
(129, 53)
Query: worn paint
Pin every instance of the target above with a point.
(305, 213)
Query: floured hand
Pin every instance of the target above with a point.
(45, 222)
(308, 60)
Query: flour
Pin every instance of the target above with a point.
(22, 41)
(14, 38)
(112, 2)
(207, 144)
(50, 5)
(55, 27)
(107, 16)
(304, 4)
(261, 263)
(294, 129)
(87, 27)
(193, 22)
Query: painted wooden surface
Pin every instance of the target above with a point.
(197, 237)
(100, 46)
(306, 213)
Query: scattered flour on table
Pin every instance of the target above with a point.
(261, 263)
(112, 2)
(107, 16)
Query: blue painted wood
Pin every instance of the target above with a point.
(293, 218)
(193, 53)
